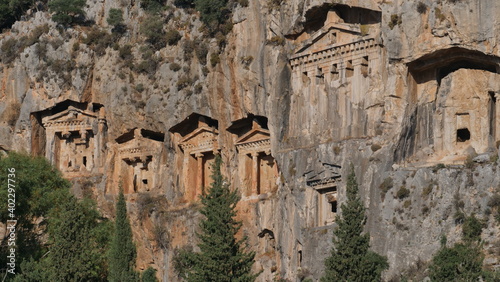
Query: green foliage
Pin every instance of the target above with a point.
(214, 59)
(67, 12)
(175, 66)
(153, 30)
(139, 87)
(183, 82)
(439, 14)
(149, 275)
(274, 4)
(78, 240)
(125, 52)
(212, 12)
(462, 262)
(38, 188)
(115, 17)
(12, 47)
(122, 253)
(172, 37)
(184, 3)
(99, 40)
(243, 3)
(153, 6)
(201, 50)
(421, 7)
(395, 20)
(9, 50)
(77, 236)
(402, 193)
(351, 259)
(12, 10)
(276, 41)
(221, 257)
(427, 190)
(494, 204)
(385, 186)
(472, 229)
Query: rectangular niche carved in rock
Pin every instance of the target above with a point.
(74, 136)
(139, 158)
(258, 170)
(197, 137)
(324, 183)
(463, 132)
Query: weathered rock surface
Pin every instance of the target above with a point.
(395, 88)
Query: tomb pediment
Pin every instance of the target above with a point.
(253, 135)
(331, 35)
(141, 146)
(256, 140)
(202, 139)
(327, 176)
(71, 119)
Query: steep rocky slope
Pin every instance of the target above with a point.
(404, 90)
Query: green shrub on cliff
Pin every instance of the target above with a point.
(67, 12)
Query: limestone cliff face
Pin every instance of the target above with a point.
(302, 90)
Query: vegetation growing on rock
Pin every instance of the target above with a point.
(351, 259)
(122, 253)
(222, 256)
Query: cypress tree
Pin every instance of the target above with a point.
(221, 257)
(122, 253)
(351, 259)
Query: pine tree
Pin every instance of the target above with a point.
(67, 12)
(122, 253)
(221, 257)
(351, 259)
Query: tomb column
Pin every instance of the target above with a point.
(199, 175)
(497, 117)
(83, 135)
(255, 173)
(49, 145)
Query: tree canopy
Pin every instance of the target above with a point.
(122, 253)
(351, 259)
(67, 12)
(222, 257)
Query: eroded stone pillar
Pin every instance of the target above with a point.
(255, 173)
(199, 175)
(497, 118)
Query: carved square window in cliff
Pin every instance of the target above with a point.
(492, 105)
(463, 134)
(333, 206)
(84, 161)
